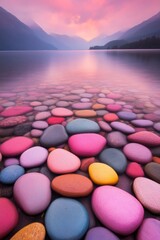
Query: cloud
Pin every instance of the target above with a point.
(86, 18)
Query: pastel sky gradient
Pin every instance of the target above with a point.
(85, 18)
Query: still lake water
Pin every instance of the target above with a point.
(138, 71)
(78, 80)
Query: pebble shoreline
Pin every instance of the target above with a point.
(79, 163)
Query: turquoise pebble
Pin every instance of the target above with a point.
(66, 219)
(80, 125)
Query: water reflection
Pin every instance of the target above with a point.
(137, 70)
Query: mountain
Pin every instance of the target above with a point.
(15, 35)
(103, 39)
(143, 31)
(61, 42)
(148, 28)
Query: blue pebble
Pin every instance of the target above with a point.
(114, 158)
(66, 219)
(126, 115)
(81, 125)
(11, 173)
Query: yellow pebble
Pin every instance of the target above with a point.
(102, 174)
(85, 113)
(33, 231)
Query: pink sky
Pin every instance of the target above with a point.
(85, 18)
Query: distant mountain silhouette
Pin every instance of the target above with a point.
(15, 35)
(61, 42)
(103, 39)
(143, 31)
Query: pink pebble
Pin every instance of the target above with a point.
(62, 161)
(11, 161)
(15, 111)
(15, 146)
(8, 217)
(87, 144)
(117, 210)
(62, 112)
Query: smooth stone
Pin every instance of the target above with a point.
(22, 129)
(8, 104)
(114, 95)
(152, 170)
(15, 146)
(35, 103)
(82, 105)
(153, 117)
(53, 136)
(33, 231)
(40, 124)
(114, 158)
(157, 126)
(62, 112)
(70, 97)
(127, 115)
(78, 91)
(105, 101)
(36, 133)
(12, 121)
(125, 183)
(10, 174)
(98, 106)
(42, 115)
(142, 123)
(101, 174)
(49, 102)
(145, 137)
(117, 210)
(114, 107)
(85, 163)
(156, 159)
(62, 161)
(5, 132)
(110, 117)
(41, 108)
(134, 170)
(86, 144)
(123, 127)
(72, 185)
(85, 100)
(62, 104)
(116, 139)
(101, 112)
(137, 153)
(148, 193)
(0, 157)
(55, 120)
(149, 229)
(33, 157)
(82, 126)
(105, 126)
(32, 192)
(8, 217)
(66, 219)
(11, 161)
(98, 233)
(85, 113)
(16, 110)
(86, 95)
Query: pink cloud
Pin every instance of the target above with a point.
(86, 18)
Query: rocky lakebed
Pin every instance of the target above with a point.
(79, 162)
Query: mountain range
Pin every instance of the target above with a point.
(138, 36)
(15, 35)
